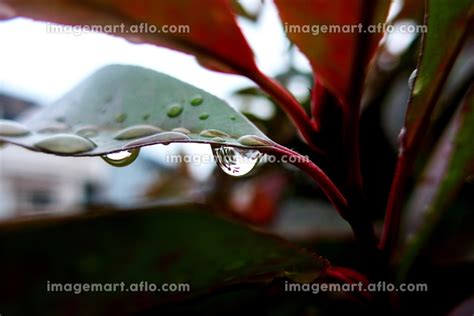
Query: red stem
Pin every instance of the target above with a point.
(290, 105)
(325, 183)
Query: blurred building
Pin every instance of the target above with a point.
(33, 182)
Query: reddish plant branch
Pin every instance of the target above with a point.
(310, 168)
(290, 105)
(361, 227)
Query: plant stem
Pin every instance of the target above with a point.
(361, 226)
(310, 168)
(407, 153)
(291, 106)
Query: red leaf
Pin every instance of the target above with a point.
(333, 55)
(213, 33)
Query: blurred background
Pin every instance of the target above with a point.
(39, 67)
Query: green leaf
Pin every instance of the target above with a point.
(124, 107)
(169, 245)
(451, 163)
(448, 24)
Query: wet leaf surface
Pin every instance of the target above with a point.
(124, 107)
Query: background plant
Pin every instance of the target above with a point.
(330, 127)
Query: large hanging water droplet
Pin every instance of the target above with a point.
(122, 158)
(253, 140)
(12, 128)
(65, 144)
(235, 161)
(137, 131)
(165, 137)
(174, 110)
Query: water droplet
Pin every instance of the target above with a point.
(146, 116)
(54, 128)
(401, 140)
(197, 100)
(218, 139)
(137, 131)
(253, 140)
(87, 131)
(165, 137)
(213, 133)
(181, 130)
(65, 144)
(412, 78)
(6, 11)
(120, 118)
(174, 110)
(203, 116)
(233, 117)
(122, 158)
(417, 85)
(235, 161)
(12, 128)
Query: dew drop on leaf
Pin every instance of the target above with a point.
(203, 116)
(218, 139)
(181, 130)
(137, 131)
(213, 133)
(87, 131)
(122, 158)
(197, 100)
(412, 78)
(12, 128)
(121, 118)
(253, 140)
(234, 161)
(174, 110)
(65, 144)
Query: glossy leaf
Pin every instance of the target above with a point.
(168, 245)
(333, 55)
(451, 164)
(447, 26)
(209, 30)
(123, 107)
